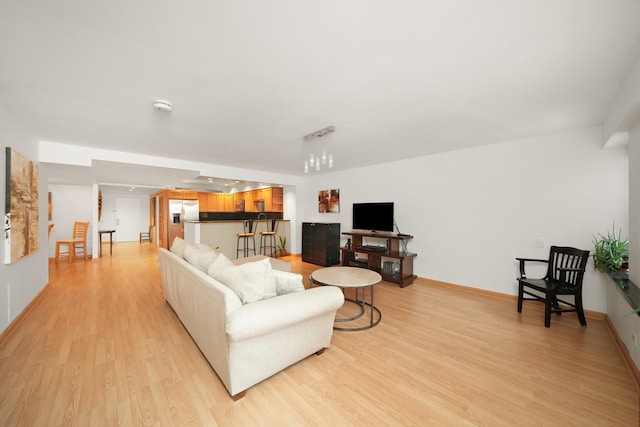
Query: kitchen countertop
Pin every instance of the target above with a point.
(222, 234)
(627, 288)
(233, 220)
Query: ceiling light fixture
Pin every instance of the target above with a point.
(319, 133)
(325, 159)
(162, 105)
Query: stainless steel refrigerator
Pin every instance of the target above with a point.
(179, 212)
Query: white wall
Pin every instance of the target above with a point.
(617, 308)
(623, 122)
(108, 219)
(471, 212)
(625, 110)
(21, 281)
(70, 203)
(634, 204)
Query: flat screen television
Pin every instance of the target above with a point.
(373, 216)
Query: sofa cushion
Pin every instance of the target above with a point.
(276, 264)
(204, 247)
(199, 258)
(252, 281)
(287, 282)
(177, 247)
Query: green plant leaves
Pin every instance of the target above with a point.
(610, 251)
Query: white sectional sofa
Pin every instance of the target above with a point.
(248, 342)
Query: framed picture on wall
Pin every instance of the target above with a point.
(21, 222)
(329, 201)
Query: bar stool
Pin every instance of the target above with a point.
(268, 238)
(245, 237)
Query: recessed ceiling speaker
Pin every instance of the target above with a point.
(162, 105)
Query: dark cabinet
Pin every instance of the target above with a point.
(392, 261)
(321, 243)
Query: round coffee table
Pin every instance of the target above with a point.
(358, 279)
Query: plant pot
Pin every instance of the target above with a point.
(625, 264)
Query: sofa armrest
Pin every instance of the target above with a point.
(269, 315)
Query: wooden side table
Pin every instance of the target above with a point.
(110, 233)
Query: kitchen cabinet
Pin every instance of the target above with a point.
(163, 213)
(181, 194)
(228, 202)
(248, 201)
(261, 200)
(267, 197)
(213, 204)
(203, 202)
(277, 199)
(169, 226)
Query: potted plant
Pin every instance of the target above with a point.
(611, 252)
(282, 245)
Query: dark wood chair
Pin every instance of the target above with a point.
(565, 271)
(145, 236)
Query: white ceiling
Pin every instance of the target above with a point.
(248, 79)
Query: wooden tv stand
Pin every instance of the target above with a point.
(402, 272)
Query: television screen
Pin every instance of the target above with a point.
(373, 216)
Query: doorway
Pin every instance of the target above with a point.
(127, 219)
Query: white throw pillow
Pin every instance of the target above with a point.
(204, 247)
(201, 259)
(177, 247)
(252, 281)
(220, 262)
(287, 282)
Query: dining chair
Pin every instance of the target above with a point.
(77, 245)
(565, 271)
(145, 236)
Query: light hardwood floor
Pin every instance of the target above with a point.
(102, 347)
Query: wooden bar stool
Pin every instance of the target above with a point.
(268, 239)
(245, 237)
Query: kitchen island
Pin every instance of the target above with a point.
(222, 235)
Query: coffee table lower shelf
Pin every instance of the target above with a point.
(352, 278)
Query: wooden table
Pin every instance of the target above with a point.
(110, 233)
(358, 279)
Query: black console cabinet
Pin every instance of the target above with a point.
(321, 243)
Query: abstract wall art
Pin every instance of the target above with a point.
(21, 223)
(329, 201)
